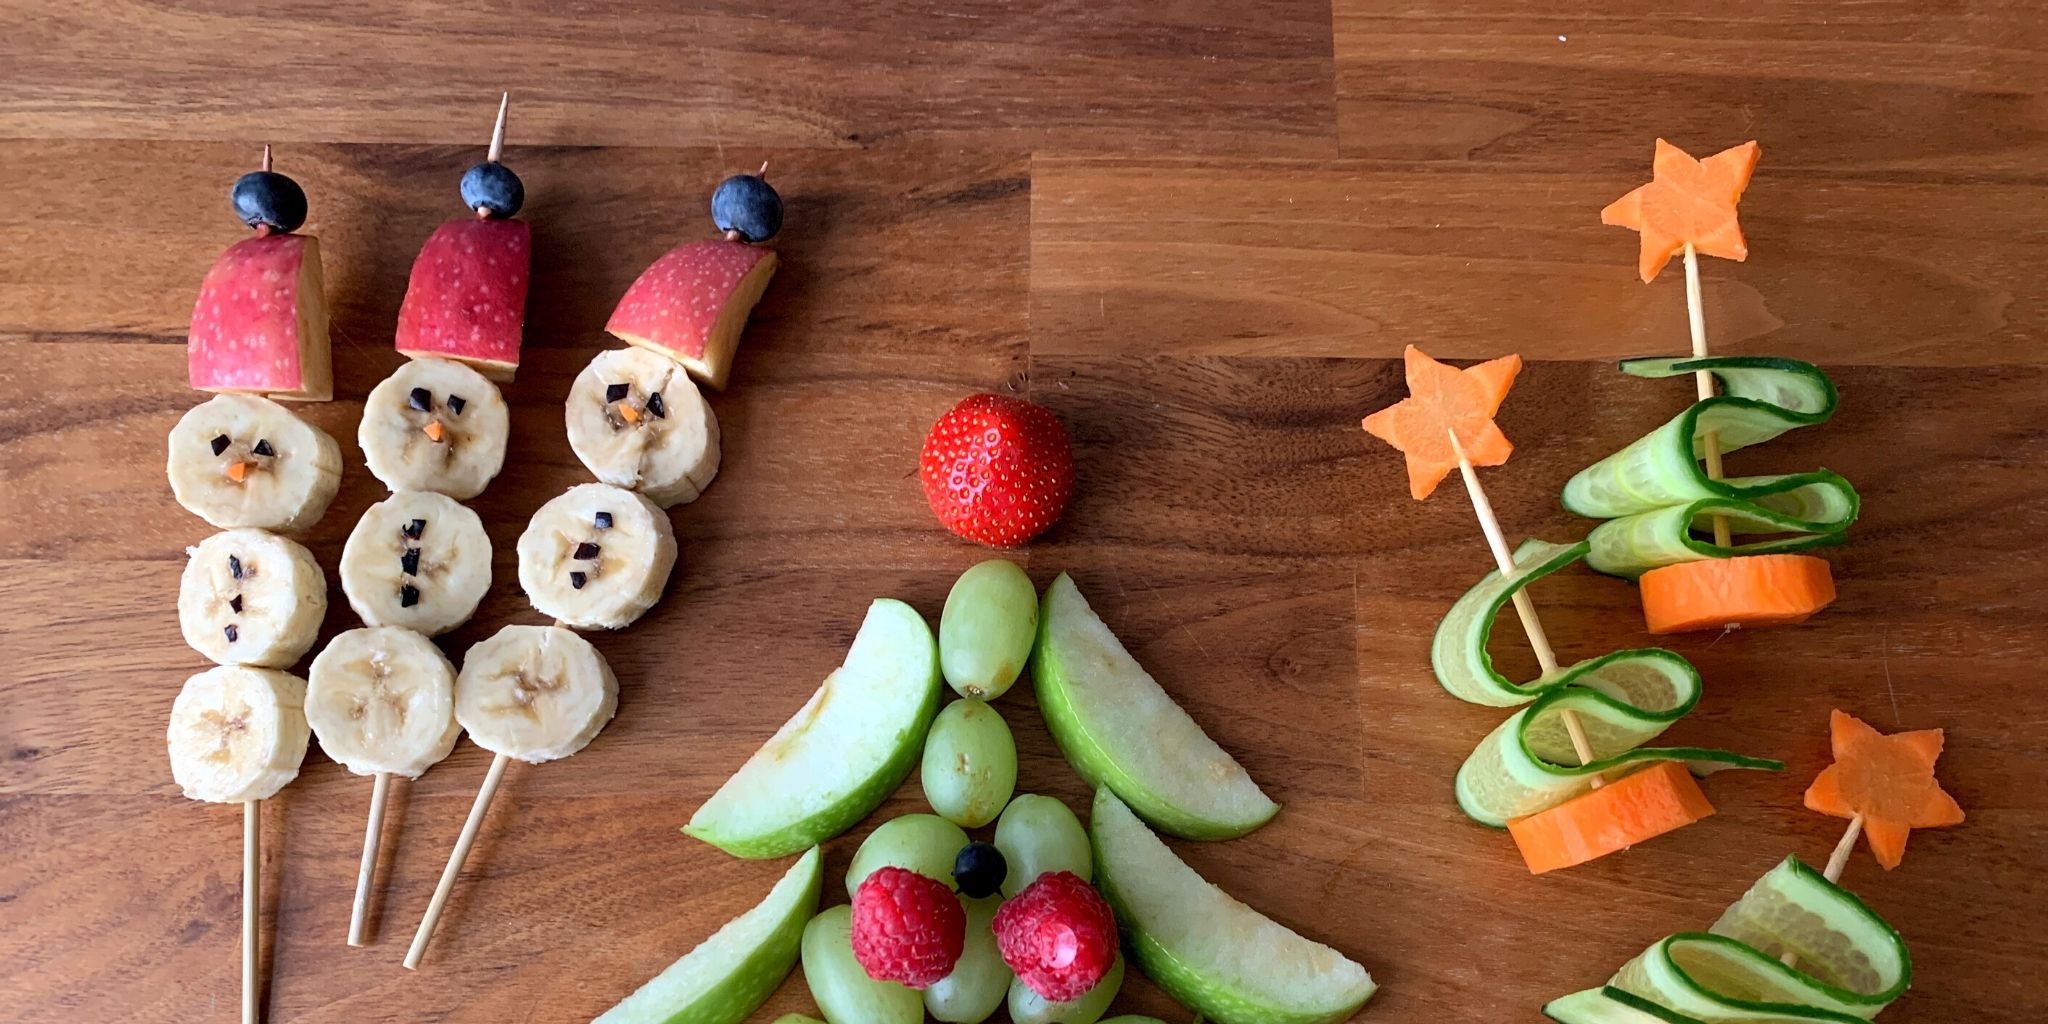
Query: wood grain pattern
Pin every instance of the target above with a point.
(1199, 232)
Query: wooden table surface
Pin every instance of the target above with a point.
(1200, 232)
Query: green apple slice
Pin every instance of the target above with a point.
(842, 753)
(730, 974)
(1222, 959)
(1120, 730)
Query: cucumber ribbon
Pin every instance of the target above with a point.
(1848, 963)
(1656, 496)
(1623, 700)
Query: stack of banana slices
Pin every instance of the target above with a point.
(251, 601)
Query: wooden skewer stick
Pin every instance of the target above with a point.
(498, 133)
(1696, 317)
(1489, 524)
(371, 835)
(252, 891)
(455, 859)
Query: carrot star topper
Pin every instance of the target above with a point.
(1447, 409)
(1884, 785)
(1688, 203)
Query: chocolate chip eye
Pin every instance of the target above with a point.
(420, 398)
(655, 405)
(586, 551)
(410, 561)
(233, 634)
(220, 444)
(455, 404)
(413, 529)
(616, 392)
(263, 448)
(603, 520)
(577, 580)
(234, 567)
(408, 596)
(235, 603)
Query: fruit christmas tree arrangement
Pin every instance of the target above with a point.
(1568, 775)
(1797, 946)
(599, 555)
(250, 600)
(1675, 520)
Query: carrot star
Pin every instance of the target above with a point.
(1443, 401)
(1889, 780)
(1687, 201)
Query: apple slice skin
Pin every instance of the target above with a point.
(692, 303)
(466, 299)
(1174, 970)
(1102, 763)
(259, 325)
(861, 798)
(753, 979)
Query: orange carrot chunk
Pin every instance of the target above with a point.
(628, 413)
(237, 470)
(433, 429)
(1727, 593)
(1649, 803)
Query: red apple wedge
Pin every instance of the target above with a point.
(467, 297)
(260, 325)
(692, 303)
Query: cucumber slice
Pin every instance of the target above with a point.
(842, 753)
(1657, 491)
(1526, 764)
(1217, 956)
(1458, 651)
(1850, 963)
(1119, 729)
(730, 974)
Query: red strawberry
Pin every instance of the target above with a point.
(997, 470)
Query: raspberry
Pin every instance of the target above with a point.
(906, 928)
(1058, 936)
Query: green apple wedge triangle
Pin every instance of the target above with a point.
(842, 753)
(730, 974)
(1217, 956)
(1119, 729)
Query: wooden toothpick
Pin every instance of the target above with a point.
(252, 895)
(372, 834)
(498, 132)
(1525, 607)
(455, 859)
(1703, 380)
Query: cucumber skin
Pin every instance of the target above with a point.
(1098, 768)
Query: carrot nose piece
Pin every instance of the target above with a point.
(628, 413)
(238, 470)
(433, 429)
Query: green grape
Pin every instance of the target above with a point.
(1128, 1018)
(979, 980)
(1028, 1007)
(841, 988)
(798, 1018)
(986, 630)
(924, 843)
(970, 764)
(1038, 834)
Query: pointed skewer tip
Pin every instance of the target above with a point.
(498, 131)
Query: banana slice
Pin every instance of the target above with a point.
(536, 693)
(382, 700)
(637, 421)
(238, 733)
(418, 560)
(241, 460)
(596, 557)
(435, 425)
(251, 598)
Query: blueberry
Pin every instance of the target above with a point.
(408, 596)
(494, 187)
(656, 406)
(586, 551)
(268, 198)
(979, 870)
(220, 443)
(455, 404)
(263, 448)
(603, 520)
(577, 580)
(746, 204)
